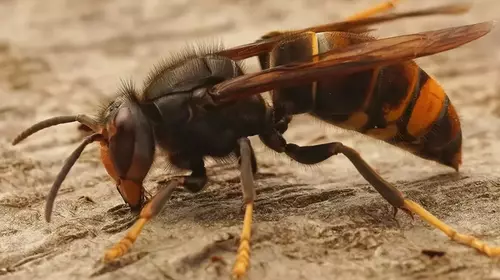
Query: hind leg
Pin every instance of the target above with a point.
(372, 11)
(318, 153)
(376, 9)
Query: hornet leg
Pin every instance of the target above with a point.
(246, 162)
(150, 210)
(317, 153)
(380, 8)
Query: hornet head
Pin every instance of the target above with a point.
(127, 147)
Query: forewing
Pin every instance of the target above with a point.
(351, 59)
(355, 26)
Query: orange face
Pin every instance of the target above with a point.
(106, 161)
(131, 192)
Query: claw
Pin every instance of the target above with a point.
(408, 212)
(405, 210)
(395, 212)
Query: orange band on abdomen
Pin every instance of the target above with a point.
(427, 108)
(455, 121)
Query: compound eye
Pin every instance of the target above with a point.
(122, 141)
(130, 151)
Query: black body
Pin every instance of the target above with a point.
(188, 126)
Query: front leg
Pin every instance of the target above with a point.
(318, 153)
(195, 181)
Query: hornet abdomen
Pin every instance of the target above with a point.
(399, 104)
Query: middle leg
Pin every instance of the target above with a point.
(247, 163)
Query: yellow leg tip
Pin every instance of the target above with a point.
(239, 270)
(464, 239)
(109, 256)
(122, 247)
(114, 253)
(380, 8)
(244, 246)
(243, 256)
